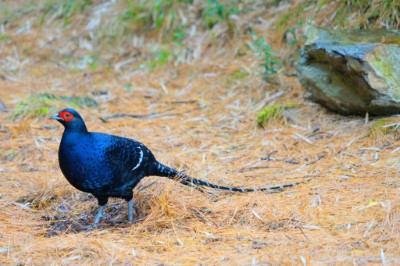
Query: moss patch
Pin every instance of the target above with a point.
(240, 75)
(270, 113)
(385, 61)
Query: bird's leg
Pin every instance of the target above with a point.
(130, 210)
(102, 203)
(99, 214)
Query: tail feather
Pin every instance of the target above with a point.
(166, 171)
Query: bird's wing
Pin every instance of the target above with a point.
(127, 160)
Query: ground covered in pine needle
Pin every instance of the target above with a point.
(200, 118)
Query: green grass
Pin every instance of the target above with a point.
(159, 57)
(217, 11)
(44, 104)
(270, 113)
(377, 127)
(273, 112)
(4, 37)
(62, 9)
(170, 22)
(295, 14)
(240, 75)
(150, 14)
(8, 15)
(379, 12)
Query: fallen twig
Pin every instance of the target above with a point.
(316, 160)
(119, 115)
(148, 116)
(245, 169)
(302, 231)
(182, 102)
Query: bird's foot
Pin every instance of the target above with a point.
(93, 226)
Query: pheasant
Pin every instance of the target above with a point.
(111, 166)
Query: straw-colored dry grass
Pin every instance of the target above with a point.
(347, 211)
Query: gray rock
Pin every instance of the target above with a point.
(352, 72)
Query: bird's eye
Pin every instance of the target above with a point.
(67, 115)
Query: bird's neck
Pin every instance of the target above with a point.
(72, 136)
(80, 128)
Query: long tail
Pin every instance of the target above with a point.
(165, 171)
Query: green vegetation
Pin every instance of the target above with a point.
(63, 9)
(147, 15)
(87, 61)
(370, 13)
(81, 63)
(270, 62)
(166, 16)
(127, 87)
(41, 105)
(273, 112)
(216, 12)
(296, 14)
(170, 23)
(4, 37)
(383, 126)
(385, 12)
(240, 75)
(159, 58)
(166, 22)
(7, 15)
(270, 113)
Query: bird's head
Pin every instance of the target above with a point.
(70, 119)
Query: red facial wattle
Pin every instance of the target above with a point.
(66, 116)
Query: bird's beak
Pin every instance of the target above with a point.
(56, 117)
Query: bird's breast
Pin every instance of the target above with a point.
(84, 166)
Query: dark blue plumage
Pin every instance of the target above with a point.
(111, 166)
